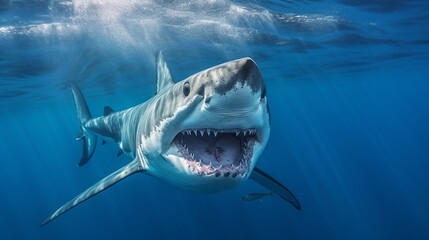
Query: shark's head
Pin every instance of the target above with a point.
(206, 132)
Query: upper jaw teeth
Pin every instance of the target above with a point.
(214, 132)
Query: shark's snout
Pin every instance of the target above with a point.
(233, 89)
(232, 75)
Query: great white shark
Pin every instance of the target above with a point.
(204, 133)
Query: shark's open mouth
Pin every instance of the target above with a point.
(217, 152)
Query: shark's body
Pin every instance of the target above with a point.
(203, 134)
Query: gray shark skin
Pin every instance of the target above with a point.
(204, 133)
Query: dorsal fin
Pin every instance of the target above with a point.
(107, 111)
(163, 75)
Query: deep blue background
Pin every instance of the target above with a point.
(348, 90)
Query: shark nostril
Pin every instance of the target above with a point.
(207, 100)
(201, 91)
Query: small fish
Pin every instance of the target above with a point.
(255, 196)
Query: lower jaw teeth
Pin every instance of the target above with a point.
(226, 171)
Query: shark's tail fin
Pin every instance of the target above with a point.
(89, 139)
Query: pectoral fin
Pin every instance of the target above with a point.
(127, 170)
(273, 185)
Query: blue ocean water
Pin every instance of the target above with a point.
(348, 90)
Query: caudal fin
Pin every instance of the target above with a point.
(89, 139)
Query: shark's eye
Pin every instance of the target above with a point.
(186, 89)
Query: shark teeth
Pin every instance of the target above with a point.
(237, 168)
(215, 132)
(230, 171)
